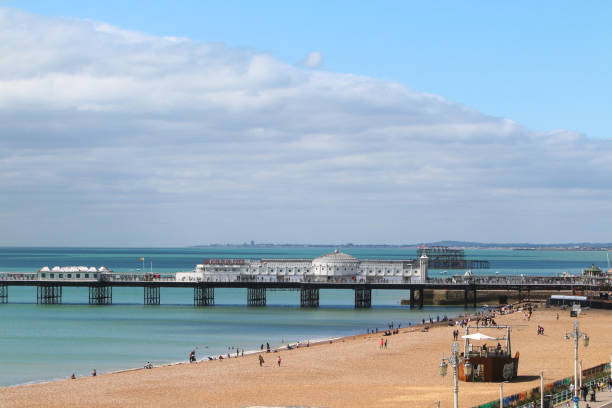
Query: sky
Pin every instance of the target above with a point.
(183, 123)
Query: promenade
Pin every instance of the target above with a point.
(604, 400)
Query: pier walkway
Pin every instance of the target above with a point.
(49, 291)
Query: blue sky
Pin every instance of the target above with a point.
(544, 64)
(177, 123)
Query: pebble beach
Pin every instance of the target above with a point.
(346, 372)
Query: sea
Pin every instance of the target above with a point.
(47, 342)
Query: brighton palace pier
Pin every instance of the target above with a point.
(334, 267)
(335, 270)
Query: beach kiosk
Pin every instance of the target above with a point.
(489, 361)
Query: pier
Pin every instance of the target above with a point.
(49, 292)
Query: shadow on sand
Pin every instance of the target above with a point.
(524, 378)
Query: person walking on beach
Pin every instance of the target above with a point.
(385, 343)
(93, 373)
(261, 360)
(278, 360)
(382, 343)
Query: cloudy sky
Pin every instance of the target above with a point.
(120, 135)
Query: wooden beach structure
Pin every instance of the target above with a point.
(493, 363)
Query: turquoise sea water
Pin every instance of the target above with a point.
(44, 342)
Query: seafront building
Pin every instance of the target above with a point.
(331, 267)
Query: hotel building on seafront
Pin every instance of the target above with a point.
(331, 267)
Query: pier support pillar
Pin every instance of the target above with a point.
(256, 296)
(151, 295)
(411, 298)
(3, 294)
(100, 295)
(48, 294)
(309, 297)
(465, 298)
(421, 297)
(203, 296)
(475, 298)
(363, 298)
(520, 295)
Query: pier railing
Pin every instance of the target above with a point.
(459, 281)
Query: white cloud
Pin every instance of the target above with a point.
(314, 59)
(128, 133)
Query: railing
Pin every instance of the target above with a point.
(558, 392)
(565, 395)
(532, 281)
(520, 280)
(9, 276)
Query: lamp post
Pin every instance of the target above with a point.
(576, 334)
(454, 361)
(541, 389)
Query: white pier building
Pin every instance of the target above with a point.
(332, 267)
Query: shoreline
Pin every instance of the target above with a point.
(276, 349)
(345, 372)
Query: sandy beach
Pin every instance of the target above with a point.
(349, 372)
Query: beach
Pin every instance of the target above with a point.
(347, 372)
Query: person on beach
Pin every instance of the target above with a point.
(279, 360)
(267, 347)
(94, 373)
(73, 377)
(385, 343)
(261, 360)
(192, 357)
(382, 343)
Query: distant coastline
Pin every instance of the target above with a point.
(578, 246)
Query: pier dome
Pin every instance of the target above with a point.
(335, 264)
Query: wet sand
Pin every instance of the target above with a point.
(350, 372)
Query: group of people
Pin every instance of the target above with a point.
(586, 391)
(383, 343)
(93, 374)
(456, 335)
(540, 330)
(279, 360)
